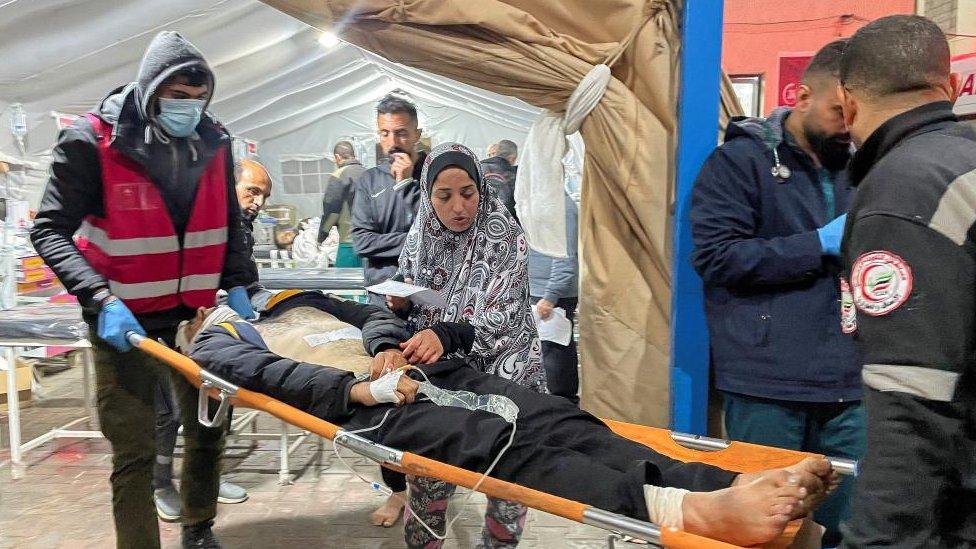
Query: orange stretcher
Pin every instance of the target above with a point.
(735, 456)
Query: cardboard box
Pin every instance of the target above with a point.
(23, 378)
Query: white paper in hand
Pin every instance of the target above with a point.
(557, 328)
(417, 294)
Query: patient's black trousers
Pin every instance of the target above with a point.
(557, 449)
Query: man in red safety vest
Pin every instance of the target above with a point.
(140, 221)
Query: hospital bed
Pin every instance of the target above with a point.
(739, 457)
(340, 280)
(34, 323)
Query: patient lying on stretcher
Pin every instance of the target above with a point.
(308, 348)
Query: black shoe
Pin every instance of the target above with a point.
(200, 536)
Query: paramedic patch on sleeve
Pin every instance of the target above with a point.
(848, 312)
(880, 282)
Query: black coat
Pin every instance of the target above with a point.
(340, 193)
(557, 448)
(501, 175)
(380, 221)
(910, 256)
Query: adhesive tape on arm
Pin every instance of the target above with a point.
(384, 388)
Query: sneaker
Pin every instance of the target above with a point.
(168, 503)
(200, 536)
(231, 493)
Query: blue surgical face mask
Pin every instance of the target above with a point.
(179, 117)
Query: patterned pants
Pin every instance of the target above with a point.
(504, 520)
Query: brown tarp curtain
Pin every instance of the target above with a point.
(537, 51)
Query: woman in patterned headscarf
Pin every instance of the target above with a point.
(465, 245)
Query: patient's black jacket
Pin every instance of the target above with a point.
(557, 448)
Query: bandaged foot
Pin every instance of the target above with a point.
(814, 474)
(389, 513)
(746, 513)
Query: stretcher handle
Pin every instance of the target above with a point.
(843, 466)
(203, 406)
(208, 382)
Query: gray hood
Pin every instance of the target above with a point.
(768, 130)
(167, 54)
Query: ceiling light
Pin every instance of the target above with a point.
(328, 39)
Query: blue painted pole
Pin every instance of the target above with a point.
(698, 104)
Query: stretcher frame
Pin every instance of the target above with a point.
(735, 456)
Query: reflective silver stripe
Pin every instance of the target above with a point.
(210, 237)
(927, 383)
(143, 290)
(957, 209)
(200, 282)
(119, 247)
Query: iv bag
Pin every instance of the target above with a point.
(18, 120)
(494, 404)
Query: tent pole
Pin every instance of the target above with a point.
(698, 108)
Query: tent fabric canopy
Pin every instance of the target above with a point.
(538, 51)
(275, 83)
(478, 73)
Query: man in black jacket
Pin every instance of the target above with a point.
(500, 171)
(148, 176)
(910, 259)
(554, 444)
(339, 192)
(387, 196)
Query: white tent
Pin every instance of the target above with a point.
(276, 83)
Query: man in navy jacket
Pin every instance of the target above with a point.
(767, 217)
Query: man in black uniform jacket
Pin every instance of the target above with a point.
(910, 262)
(557, 448)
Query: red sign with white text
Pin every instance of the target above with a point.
(965, 67)
(791, 69)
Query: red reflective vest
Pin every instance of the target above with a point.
(135, 245)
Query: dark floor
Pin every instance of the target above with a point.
(63, 500)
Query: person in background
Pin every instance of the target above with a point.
(253, 187)
(340, 190)
(147, 182)
(381, 218)
(253, 190)
(500, 171)
(554, 282)
(382, 214)
(910, 257)
(767, 215)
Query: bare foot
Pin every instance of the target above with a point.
(389, 513)
(746, 513)
(814, 474)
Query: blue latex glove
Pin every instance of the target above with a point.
(831, 235)
(237, 299)
(114, 320)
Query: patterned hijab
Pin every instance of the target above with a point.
(480, 272)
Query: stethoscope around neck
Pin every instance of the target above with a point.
(779, 170)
